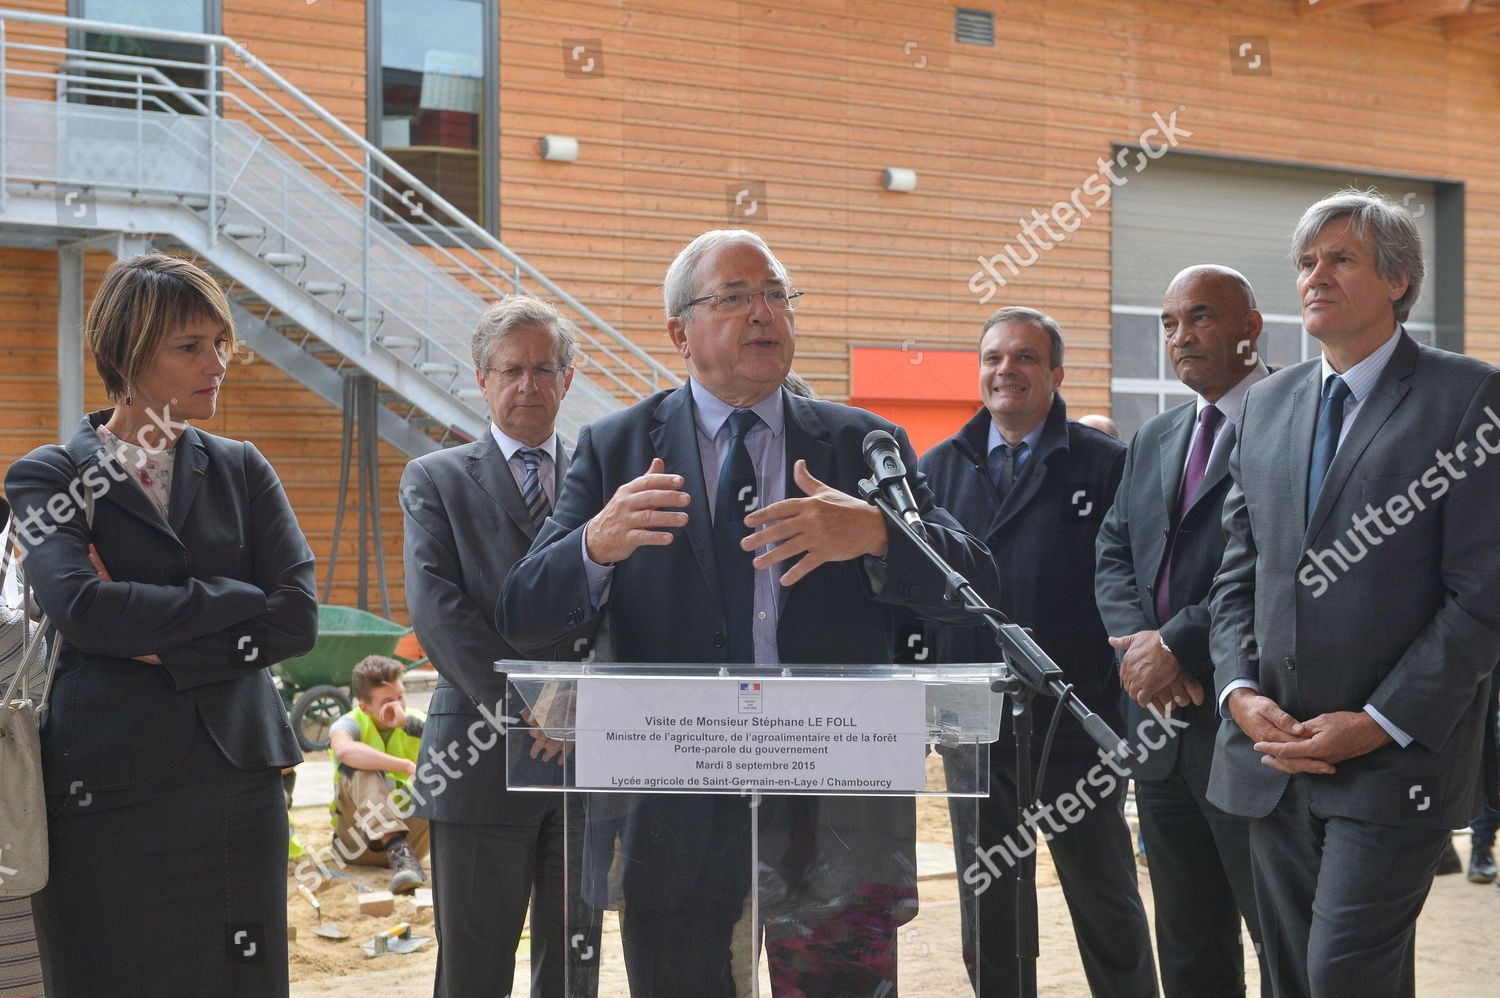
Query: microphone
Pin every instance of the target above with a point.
(888, 474)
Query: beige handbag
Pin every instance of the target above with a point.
(23, 804)
(23, 801)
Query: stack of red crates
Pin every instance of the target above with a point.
(449, 129)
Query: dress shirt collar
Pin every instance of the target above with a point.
(1362, 376)
(711, 412)
(509, 444)
(1030, 440)
(1232, 403)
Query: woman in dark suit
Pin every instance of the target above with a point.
(165, 738)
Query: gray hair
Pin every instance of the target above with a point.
(1038, 318)
(520, 312)
(680, 286)
(1384, 224)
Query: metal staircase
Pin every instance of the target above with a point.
(333, 254)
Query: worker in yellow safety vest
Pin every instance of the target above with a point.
(374, 749)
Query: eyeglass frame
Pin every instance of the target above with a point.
(792, 294)
(499, 373)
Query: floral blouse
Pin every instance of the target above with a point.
(151, 469)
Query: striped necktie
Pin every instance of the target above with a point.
(532, 492)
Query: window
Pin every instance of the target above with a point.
(433, 100)
(200, 16)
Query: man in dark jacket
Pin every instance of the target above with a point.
(651, 531)
(1034, 487)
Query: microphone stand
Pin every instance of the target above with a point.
(1029, 672)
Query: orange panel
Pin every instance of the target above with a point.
(914, 375)
(926, 423)
(929, 392)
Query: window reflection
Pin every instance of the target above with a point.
(170, 15)
(432, 56)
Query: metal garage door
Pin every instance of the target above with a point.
(1183, 210)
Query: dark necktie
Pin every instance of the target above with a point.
(735, 499)
(532, 492)
(1011, 461)
(1203, 445)
(1326, 437)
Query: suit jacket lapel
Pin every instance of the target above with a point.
(491, 472)
(1304, 419)
(1176, 436)
(1020, 494)
(1175, 441)
(675, 438)
(561, 467)
(189, 469)
(1390, 388)
(84, 448)
(807, 439)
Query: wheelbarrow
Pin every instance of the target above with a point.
(315, 686)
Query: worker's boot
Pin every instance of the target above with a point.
(406, 872)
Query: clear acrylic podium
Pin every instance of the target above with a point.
(743, 831)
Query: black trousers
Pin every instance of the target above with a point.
(679, 952)
(484, 876)
(1339, 899)
(1199, 861)
(175, 888)
(1095, 862)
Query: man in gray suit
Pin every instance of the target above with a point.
(1159, 547)
(1356, 615)
(471, 512)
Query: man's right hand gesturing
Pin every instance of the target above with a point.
(640, 512)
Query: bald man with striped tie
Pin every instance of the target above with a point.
(471, 512)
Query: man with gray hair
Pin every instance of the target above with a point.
(471, 512)
(652, 530)
(1355, 618)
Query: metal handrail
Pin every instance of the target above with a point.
(126, 65)
(186, 94)
(374, 169)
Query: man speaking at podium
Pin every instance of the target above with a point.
(718, 523)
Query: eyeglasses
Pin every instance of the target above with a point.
(540, 373)
(737, 302)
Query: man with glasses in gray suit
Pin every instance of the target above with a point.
(471, 513)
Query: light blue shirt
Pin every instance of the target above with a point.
(766, 443)
(1361, 380)
(992, 460)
